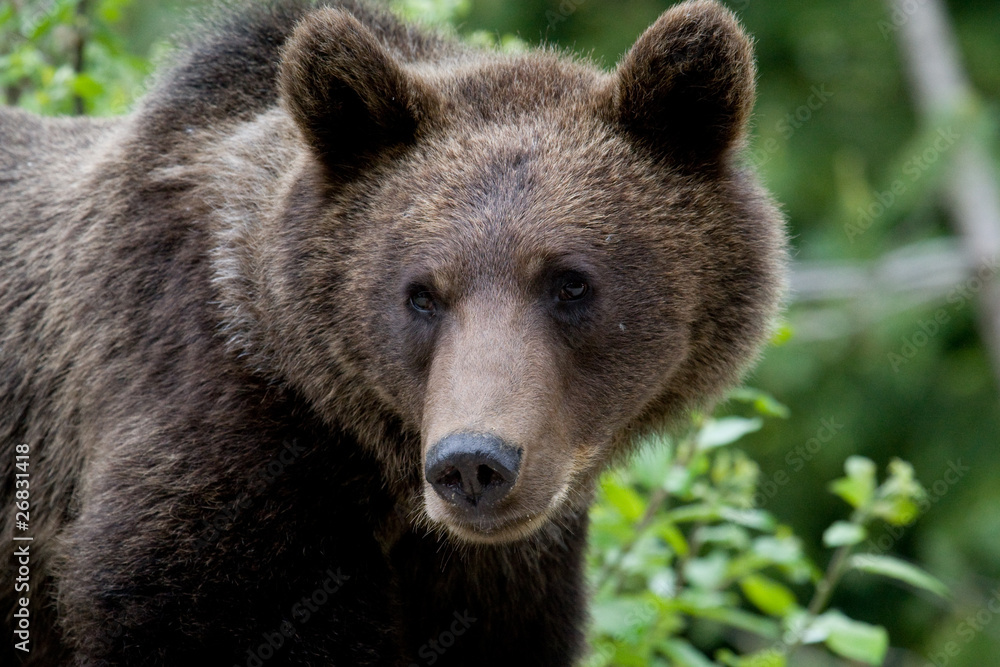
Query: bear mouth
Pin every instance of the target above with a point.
(495, 530)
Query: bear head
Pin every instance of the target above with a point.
(497, 269)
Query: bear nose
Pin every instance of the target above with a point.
(472, 470)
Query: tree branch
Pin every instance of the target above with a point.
(942, 90)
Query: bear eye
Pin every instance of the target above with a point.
(573, 290)
(422, 301)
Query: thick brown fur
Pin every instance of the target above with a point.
(208, 342)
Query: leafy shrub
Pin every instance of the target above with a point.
(684, 565)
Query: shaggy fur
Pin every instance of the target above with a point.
(208, 341)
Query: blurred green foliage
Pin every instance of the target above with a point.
(65, 56)
(834, 130)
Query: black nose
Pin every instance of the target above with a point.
(472, 470)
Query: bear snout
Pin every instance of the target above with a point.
(472, 471)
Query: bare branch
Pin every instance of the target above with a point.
(941, 89)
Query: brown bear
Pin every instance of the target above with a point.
(314, 358)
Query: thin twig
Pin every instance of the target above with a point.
(79, 55)
(684, 451)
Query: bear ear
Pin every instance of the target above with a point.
(686, 88)
(346, 92)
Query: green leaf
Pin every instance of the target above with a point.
(782, 334)
(737, 618)
(767, 658)
(859, 467)
(726, 430)
(38, 26)
(664, 584)
(859, 485)
(671, 534)
(751, 518)
(696, 512)
(784, 550)
(7, 16)
(852, 639)
(700, 597)
(899, 496)
(842, 533)
(624, 499)
(725, 534)
(433, 12)
(621, 616)
(707, 572)
(765, 404)
(887, 566)
(683, 654)
(86, 86)
(768, 595)
(902, 471)
(602, 651)
(678, 480)
(111, 11)
(649, 467)
(897, 510)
